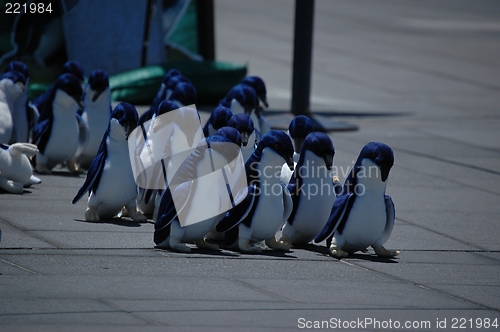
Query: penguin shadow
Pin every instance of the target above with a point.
(370, 257)
(124, 221)
(320, 250)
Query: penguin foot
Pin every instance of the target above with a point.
(42, 169)
(383, 252)
(337, 252)
(176, 244)
(273, 244)
(136, 215)
(214, 236)
(203, 244)
(73, 167)
(245, 246)
(91, 214)
(286, 242)
(33, 180)
(11, 186)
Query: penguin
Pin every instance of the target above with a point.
(15, 167)
(312, 190)
(268, 203)
(244, 124)
(110, 181)
(161, 95)
(153, 135)
(241, 99)
(96, 113)
(299, 128)
(363, 215)
(219, 118)
(74, 67)
(184, 94)
(260, 89)
(60, 133)
(197, 196)
(24, 117)
(12, 85)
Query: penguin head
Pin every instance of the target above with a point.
(278, 141)
(126, 115)
(18, 66)
(379, 153)
(321, 145)
(171, 73)
(244, 95)
(176, 79)
(14, 82)
(230, 133)
(244, 124)
(70, 84)
(220, 117)
(98, 82)
(165, 107)
(184, 93)
(299, 128)
(259, 86)
(75, 68)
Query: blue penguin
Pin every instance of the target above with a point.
(312, 190)
(241, 99)
(197, 196)
(96, 113)
(260, 89)
(15, 167)
(74, 67)
(219, 118)
(363, 215)
(161, 95)
(299, 128)
(110, 181)
(268, 203)
(12, 85)
(24, 116)
(184, 94)
(244, 124)
(155, 133)
(60, 133)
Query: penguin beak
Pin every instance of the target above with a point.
(289, 162)
(244, 138)
(385, 171)
(264, 101)
(328, 161)
(96, 95)
(298, 144)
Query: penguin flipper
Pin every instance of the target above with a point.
(295, 193)
(168, 212)
(340, 210)
(93, 175)
(238, 213)
(389, 224)
(39, 131)
(83, 135)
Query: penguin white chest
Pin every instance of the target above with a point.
(367, 218)
(63, 141)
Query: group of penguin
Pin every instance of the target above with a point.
(73, 124)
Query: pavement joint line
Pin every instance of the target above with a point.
(421, 286)
(110, 303)
(51, 243)
(20, 267)
(441, 234)
(262, 290)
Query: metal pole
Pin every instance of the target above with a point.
(145, 39)
(302, 56)
(206, 33)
